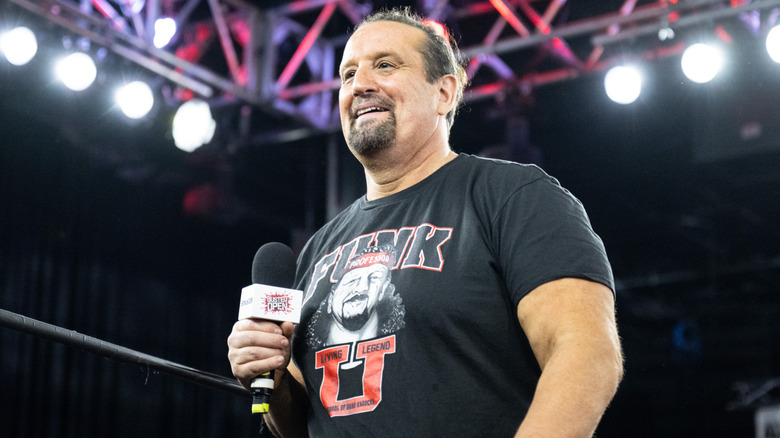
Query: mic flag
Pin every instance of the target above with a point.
(270, 298)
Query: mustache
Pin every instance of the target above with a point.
(379, 101)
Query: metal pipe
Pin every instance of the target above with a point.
(224, 38)
(116, 352)
(292, 67)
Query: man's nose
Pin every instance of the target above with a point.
(363, 81)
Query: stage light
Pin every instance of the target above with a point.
(77, 71)
(164, 30)
(623, 84)
(193, 126)
(19, 45)
(135, 99)
(702, 62)
(666, 34)
(773, 43)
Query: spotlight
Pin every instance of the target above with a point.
(702, 62)
(666, 34)
(19, 45)
(135, 99)
(192, 125)
(164, 30)
(623, 84)
(77, 71)
(773, 43)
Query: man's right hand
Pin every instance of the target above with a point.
(256, 347)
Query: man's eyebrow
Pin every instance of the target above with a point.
(373, 56)
(345, 65)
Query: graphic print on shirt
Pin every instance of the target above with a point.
(353, 329)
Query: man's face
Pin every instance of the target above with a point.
(357, 294)
(385, 99)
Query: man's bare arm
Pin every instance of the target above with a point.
(570, 324)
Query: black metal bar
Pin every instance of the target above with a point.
(112, 351)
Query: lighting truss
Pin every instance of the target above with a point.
(754, 394)
(282, 59)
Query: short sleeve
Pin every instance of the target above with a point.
(543, 234)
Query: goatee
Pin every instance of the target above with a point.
(370, 139)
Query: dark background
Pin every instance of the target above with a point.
(109, 230)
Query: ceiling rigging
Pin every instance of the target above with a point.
(281, 58)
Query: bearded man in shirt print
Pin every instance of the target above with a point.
(362, 304)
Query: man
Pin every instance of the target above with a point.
(509, 325)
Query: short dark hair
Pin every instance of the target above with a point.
(441, 54)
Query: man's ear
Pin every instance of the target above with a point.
(448, 90)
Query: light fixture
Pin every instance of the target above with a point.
(193, 125)
(135, 99)
(19, 45)
(77, 71)
(702, 62)
(773, 43)
(623, 84)
(164, 30)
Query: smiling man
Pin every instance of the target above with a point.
(507, 326)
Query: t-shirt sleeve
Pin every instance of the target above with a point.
(543, 233)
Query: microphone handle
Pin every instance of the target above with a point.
(261, 387)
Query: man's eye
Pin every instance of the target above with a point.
(385, 65)
(347, 75)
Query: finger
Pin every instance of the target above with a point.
(243, 339)
(249, 370)
(248, 355)
(249, 324)
(287, 329)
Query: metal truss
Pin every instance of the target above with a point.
(751, 395)
(282, 59)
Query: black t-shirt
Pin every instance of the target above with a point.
(409, 324)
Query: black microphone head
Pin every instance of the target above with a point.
(274, 265)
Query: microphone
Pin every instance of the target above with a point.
(270, 297)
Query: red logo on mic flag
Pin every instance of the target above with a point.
(270, 302)
(278, 303)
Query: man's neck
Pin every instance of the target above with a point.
(390, 174)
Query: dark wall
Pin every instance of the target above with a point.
(86, 251)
